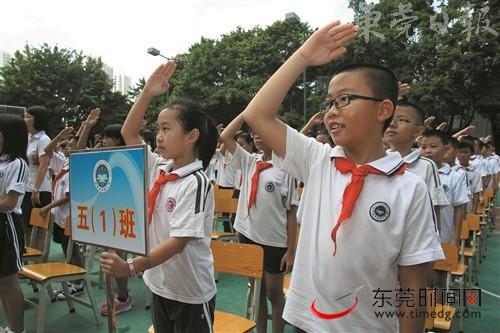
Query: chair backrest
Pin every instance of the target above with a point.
(237, 258)
(224, 201)
(37, 221)
(450, 262)
(464, 234)
(488, 194)
(243, 260)
(473, 222)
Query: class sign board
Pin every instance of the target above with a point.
(108, 198)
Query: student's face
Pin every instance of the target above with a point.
(323, 138)
(433, 148)
(108, 141)
(260, 145)
(248, 146)
(30, 122)
(451, 154)
(350, 126)
(463, 156)
(404, 128)
(172, 140)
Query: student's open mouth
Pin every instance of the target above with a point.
(335, 128)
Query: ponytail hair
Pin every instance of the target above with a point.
(191, 116)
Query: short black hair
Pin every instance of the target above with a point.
(15, 136)
(114, 131)
(381, 81)
(431, 132)
(245, 136)
(466, 144)
(419, 113)
(41, 116)
(454, 142)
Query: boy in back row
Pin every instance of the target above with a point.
(360, 232)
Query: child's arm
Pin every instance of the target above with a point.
(227, 136)
(286, 264)
(8, 202)
(112, 264)
(413, 278)
(157, 84)
(465, 131)
(458, 218)
(86, 127)
(45, 209)
(315, 120)
(322, 47)
(64, 134)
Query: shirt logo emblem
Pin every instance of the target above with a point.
(171, 203)
(446, 188)
(102, 176)
(269, 187)
(380, 211)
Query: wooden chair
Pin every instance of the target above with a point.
(44, 274)
(432, 307)
(469, 255)
(225, 207)
(242, 260)
(39, 224)
(452, 267)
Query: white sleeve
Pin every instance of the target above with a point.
(421, 239)
(436, 190)
(301, 152)
(493, 166)
(42, 143)
(188, 217)
(240, 159)
(289, 193)
(16, 176)
(56, 163)
(459, 190)
(477, 187)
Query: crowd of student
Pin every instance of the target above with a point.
(381, 190)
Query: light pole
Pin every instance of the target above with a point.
(156, 52)
(294, 16)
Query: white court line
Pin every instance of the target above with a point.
(490, 293)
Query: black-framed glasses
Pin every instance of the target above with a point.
(344, 99)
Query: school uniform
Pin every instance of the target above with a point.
(493, 169)
(474, 183)
(391, 225)
(183, 286)
(224, 173)
(36, 145)
(59, 164)
(427, 170)
(456, 191)
(263, 220)
(13, 177)
(477, 162)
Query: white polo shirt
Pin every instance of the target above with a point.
(492, 167)
(224, 173)
(474, 183)
(427, 170)
(391, 225)
(59, 162)
(457, 193)
(36, 144)
(13, 177)
(266, 223)
(477, 162)
(184, 208)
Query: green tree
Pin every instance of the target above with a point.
(63, 80)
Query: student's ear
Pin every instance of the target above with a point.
(386, 110)
(193, 135)
(419, 131)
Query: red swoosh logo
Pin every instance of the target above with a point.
(322, 315)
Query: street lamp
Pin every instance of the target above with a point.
(292, 16)
(156, 52)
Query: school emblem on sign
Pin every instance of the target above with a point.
(269, 187)
(171, 204)
(446, 188)
(102, 176)
(380, 211)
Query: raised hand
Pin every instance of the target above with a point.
(158, 82)
(403, 90)
(428, 121)
(326, 44)
(93, 117)
(65, 133)
(442, 126)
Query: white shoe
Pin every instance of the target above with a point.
(74, 289)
